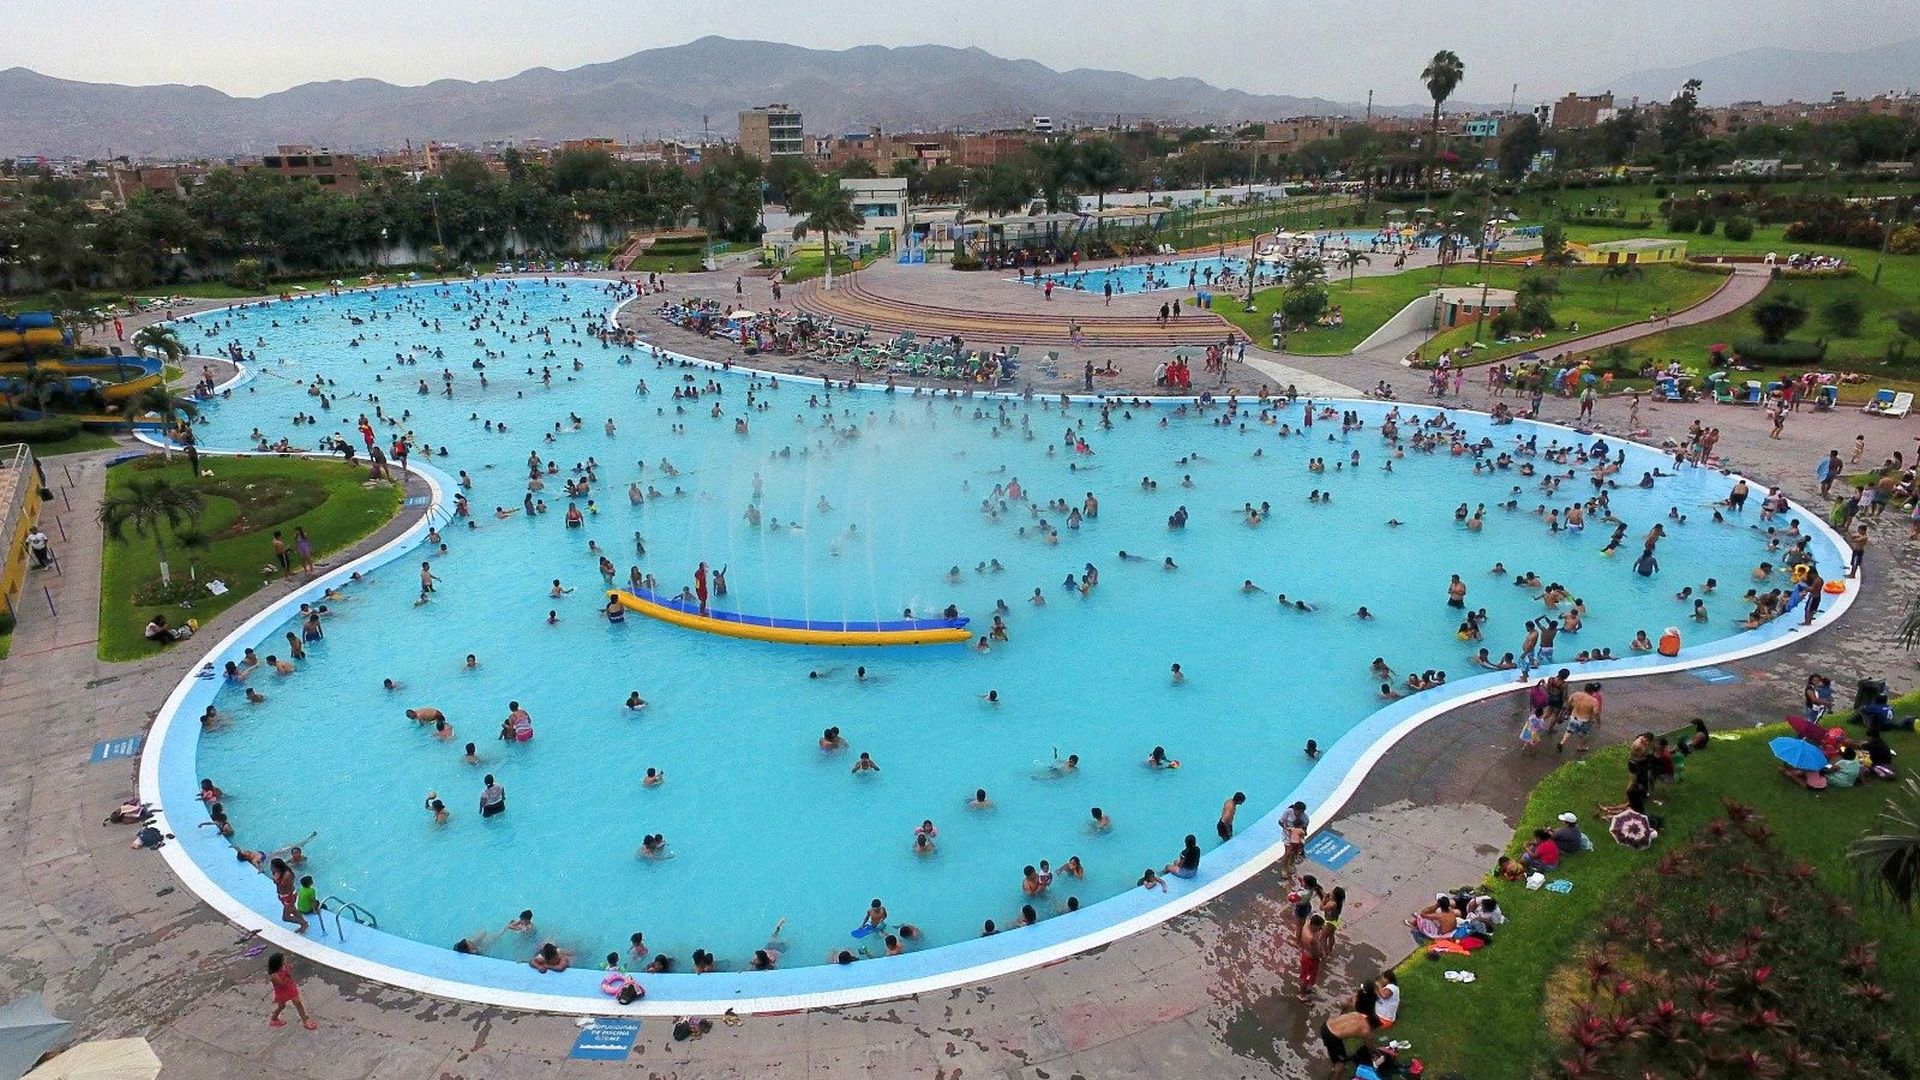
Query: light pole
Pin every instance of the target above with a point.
(1486, 227)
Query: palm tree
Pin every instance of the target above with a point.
(44, 387)
(162, 340)
(1618, 274)
(171, 408)
(1101, 168)
(144, 505)
(1349, 259)
(1442, 76)
(826, 208)
(1888, 862)
(1058, 168)
(1304, 270)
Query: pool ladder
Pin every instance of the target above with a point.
(343, 910)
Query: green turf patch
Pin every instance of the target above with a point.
(1510, 1023)
(245, 500)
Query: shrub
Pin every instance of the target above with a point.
(1738, 228)
(1714, 975)
(1777, 316)
(1904, 241)
(1781, 352)
(248, 275)
(966, 262)
(32, 432)
(1661, 191)
(1682, 221)
(1610, 222)
(1844, 315)
(1303, 304)
(1822, 274)
(1707, 224)
(1720, 269)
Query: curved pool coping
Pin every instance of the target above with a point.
(204, 861)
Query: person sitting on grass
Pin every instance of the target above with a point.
(1568, 837)
(1542, 855)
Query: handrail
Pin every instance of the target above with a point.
(348, 908)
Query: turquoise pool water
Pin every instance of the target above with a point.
(1150, 276)
(877, 497)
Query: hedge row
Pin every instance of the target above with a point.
(51, 430)
(1786, 352)
(1610, 222)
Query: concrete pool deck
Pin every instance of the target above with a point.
(120, 948)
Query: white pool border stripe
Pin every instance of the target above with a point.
(819, 986)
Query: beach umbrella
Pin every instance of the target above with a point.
(105, 1059)
(27, 1030)
(1631, 828)
(1798, 753)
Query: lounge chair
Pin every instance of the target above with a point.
(1882, 400)
(1902, 405)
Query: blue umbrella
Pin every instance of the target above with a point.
(1798, 754)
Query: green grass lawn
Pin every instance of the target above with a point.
(79, 444)
(807, 265)
(1493, 1029)
(247, 499)
(1594, 304)
(1364, 303)
(1864, 353)
(1367, 302)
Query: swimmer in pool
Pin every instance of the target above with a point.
(1178, 675)
(1248, 586)
(654, 778)
(635, 702)
(830, 740)
(865, 764)
(1101, 822)
(979, 801)
(1060, 768)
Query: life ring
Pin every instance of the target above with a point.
(1670, 642)
(1834, 587)
(614, 983)
(1799, 574)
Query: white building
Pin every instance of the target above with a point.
(882, 201)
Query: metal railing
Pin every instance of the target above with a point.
(343, 910)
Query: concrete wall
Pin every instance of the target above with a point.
(1415, 317)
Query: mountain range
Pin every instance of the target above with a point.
(1776, 74)
(676, 92)
(686, 90)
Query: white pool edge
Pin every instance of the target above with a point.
(827, 985)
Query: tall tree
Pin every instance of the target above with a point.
(1442, 76)
(146, 505)
(1102, 167)
(826, 208)
(1681, 126)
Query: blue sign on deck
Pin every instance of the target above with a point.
(1331, 850)
(108, 749)
(606, 1039)
(1715, 675)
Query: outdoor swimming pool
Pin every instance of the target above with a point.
(1149, 276)
(876, 498)
(1154, 275)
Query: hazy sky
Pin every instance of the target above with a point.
(1331, 48)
